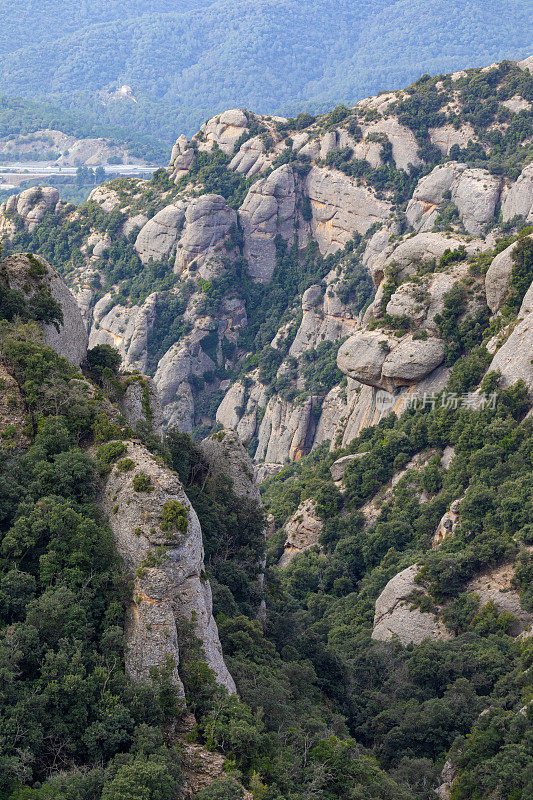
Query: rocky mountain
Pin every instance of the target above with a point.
(244, 271)
(348, 298)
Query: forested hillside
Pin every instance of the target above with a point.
(22, 117)
(188, 60)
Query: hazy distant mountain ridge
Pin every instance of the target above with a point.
(192, 59)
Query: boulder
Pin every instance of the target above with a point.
(159, 235)
(378, 360)
(168, 563)
(396, 616)
(338, 466)
(362, 357)
(410, 361)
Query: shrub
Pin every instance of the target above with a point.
(142, 482)
(174, 516)
(109, 452)
(126, 464)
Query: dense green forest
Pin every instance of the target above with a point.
(187, 60)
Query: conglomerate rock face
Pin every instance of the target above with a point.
(249, 196)
(514, 358)
(30, 275)
(475, 193)
(303, 531)
(397, 613)
(158, 535)
(268, 210)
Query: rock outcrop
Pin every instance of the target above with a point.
(63, 149)
(159, 235)
(380, 361)
(225, 455)
(308, 184)
(181, 159)
(124, 327)
(396, 615)
(447, 525)
(31, 275)
(268, 210)
(303, 531)
(339, 466)
(513, 359)
(286, 431)
(518, 200)
(498, 278)
(158, 535)
(340, 208)
(475, 193)
(223, 130)
(208, 220)
(496, 586)
(30, 206)
(411, 251)
(140, 403)
(12, 411)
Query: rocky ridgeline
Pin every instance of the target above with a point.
(305, 181)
